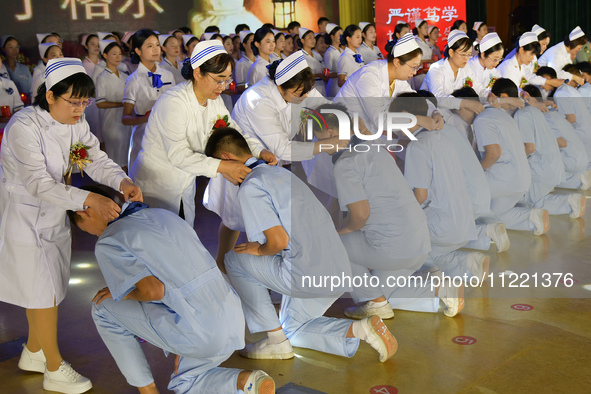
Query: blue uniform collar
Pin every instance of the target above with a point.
(253, 162)
(129, 208)
(352, 143)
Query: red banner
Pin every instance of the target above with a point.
(442, 14)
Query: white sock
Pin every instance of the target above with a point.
(358, 330)
(378, 304)
(276, 337)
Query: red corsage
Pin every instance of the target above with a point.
(221, 122)
(78, 158)
(468, 83)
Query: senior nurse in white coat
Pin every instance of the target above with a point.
(34, 232)
(565, 53)
(178, 129)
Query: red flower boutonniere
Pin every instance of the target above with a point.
(491, 82)
(468, 83)
(536, 66)
(523, 82)
(221, 122)
(78, 158)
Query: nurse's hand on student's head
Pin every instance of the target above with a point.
(102, 295)
(105, 207)
(269, 157)
(131, 191)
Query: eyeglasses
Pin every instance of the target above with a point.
(414, 69)
(495, 61)
(223, 82)
(77, 104)
(465, 55)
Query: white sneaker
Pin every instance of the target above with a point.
(478, 264)
(368, 309)
(65, 380)
(29, 361)
(585, 179)
(379, 337)
(539, 217)
(449, 294)
(259, 383)
(498, 233)
(577, 204)
(262, 350)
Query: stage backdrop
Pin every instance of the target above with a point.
(73, 18)
(439, 13)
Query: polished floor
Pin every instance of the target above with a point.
(542, 347)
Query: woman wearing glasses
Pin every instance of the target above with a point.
(179, 126)
(35, 240)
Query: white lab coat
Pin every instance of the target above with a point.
(347, 65)
(176, 71)
(35, 240)
(257, 71)
(9, 95)
(369, 54)
(38, 79)
(331, 59)
(530, 70)
(139, 92)
(102, 65)
(109, 87)
(172, 149)
(484, 76)
(557, 57)
(427, 49)
(509, 68)
(316, 65)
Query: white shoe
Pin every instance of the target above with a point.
(262, 350)
(478, 264)
(29, 361)
(577, 204)
(541, 220)
(368, 309)
(379, 337)
(259, 383)
(585, 179)
(498, 233)
(65, 380)
(449, 294)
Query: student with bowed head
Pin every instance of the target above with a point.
(35, 240)
(564, 53)
(178, 129)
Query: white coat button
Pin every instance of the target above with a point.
(10, 187)
(46, 127)
(53, 123)
(43, 214)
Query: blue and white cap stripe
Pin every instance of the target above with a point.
(61, 68)
(489, 41)
(205, 50)
(454, 37)
(406, 44)
(289, 67)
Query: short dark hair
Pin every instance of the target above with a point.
(457, 24)
(212, 29)
(584, 67)
(546, 70)
(80, 83)
(98, 189)
(576, 42)
(465, 92)
(241, 26)
(226, 139)
(269, 25)
(410, 102)
(428, 95)
(304, 79)
(185, 30)
(572, 69)
(292, 25)
(215, 65)
(322, 19)
(137, 41)
(505, 85)
(543, 35)
(332, 121)
(533, 91)
(259, 35)
(463, 44)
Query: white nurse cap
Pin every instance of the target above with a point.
(454, 36)
(127, 36)
(289, 67)
(207, 36)
(103, 44)
(243, 34)
(537, 29)
(406, 44)
(418, 22)
(330, 27)
(431, 27)
(527, 38)
(162, 38)
(477, 26)
(363, 25)
(401, 22)
(303, 31)
(102, 34)
(44, 47)
(205, 50)
(59, 69)
(41, 36)
(187, 38)
(275, 31)
(576, 33)
(489, 41)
